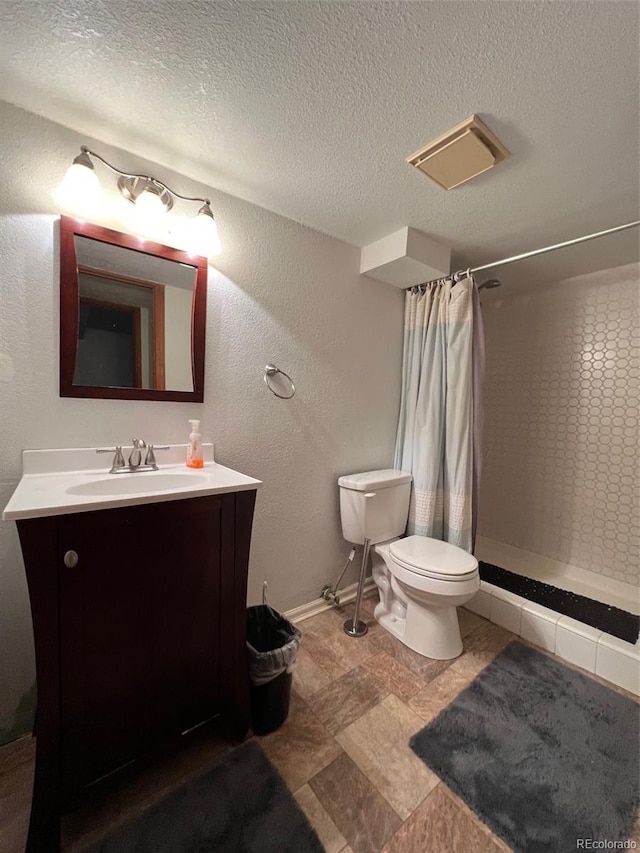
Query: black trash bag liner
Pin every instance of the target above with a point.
(272, 643)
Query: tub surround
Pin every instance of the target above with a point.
(565, 576)
(558, 498)
(612, 620)
(589, 648)
(560, 443)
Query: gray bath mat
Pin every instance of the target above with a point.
(240, 806)
(544, 755)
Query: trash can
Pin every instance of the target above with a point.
(272, 646)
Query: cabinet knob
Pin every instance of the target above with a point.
(71, 559)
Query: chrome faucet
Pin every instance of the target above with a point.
(135, 457)
(135, 463)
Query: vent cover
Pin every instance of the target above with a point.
(467, 150)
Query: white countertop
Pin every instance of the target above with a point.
(60, 482)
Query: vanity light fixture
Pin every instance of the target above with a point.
(150, 196)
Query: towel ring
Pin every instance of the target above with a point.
(271, 370)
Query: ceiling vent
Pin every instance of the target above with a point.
(463, 152)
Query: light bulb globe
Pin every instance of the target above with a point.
(149, 208)
(203, 234)
(80, 189)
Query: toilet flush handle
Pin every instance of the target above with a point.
(370, 495)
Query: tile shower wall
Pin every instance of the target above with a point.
(562, 393)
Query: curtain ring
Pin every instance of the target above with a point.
(271, 370)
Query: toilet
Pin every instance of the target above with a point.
(421, 581)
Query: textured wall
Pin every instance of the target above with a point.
(280, 292)
(562, 401)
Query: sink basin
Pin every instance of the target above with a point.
(59, 482)
(133, 484)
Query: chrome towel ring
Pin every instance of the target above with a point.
(271, 370)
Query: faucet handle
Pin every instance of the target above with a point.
(150, 458)
(118, 459)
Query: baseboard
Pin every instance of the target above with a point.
(319, 605)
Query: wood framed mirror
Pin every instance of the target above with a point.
(132, 317)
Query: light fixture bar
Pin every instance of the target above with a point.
(132, 187)
(86, 150)
(150, 196)
(125, 186)
(189, 198)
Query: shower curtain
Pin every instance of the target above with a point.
(438, 438)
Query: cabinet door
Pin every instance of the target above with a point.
(106, 652)
(139, 630)
(185, 603)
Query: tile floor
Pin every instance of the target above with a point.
(343, 751)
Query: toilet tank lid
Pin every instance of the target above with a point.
(374, 480)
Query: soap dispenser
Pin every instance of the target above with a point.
(194, 448)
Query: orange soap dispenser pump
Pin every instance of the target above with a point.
(194, 448)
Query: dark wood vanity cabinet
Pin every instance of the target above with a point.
(138, 641)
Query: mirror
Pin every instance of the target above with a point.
(132, 317)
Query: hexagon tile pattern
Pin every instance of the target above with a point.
(561, 437)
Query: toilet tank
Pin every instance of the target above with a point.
(374, 505)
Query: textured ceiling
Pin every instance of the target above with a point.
(309, 108)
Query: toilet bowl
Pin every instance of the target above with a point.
(421, 581)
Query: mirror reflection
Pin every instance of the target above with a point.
(135, 311)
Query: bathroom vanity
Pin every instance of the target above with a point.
(138, 596)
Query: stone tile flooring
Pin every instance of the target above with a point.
(375, 795)
(343, 751)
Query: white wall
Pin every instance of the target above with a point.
(280, 292)
(562, 407)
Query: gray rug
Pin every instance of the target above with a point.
(240, 806)
(543, 754)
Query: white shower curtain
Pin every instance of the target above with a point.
(435, 438)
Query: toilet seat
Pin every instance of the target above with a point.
(432, 558)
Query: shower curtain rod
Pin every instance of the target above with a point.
(546, 249)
